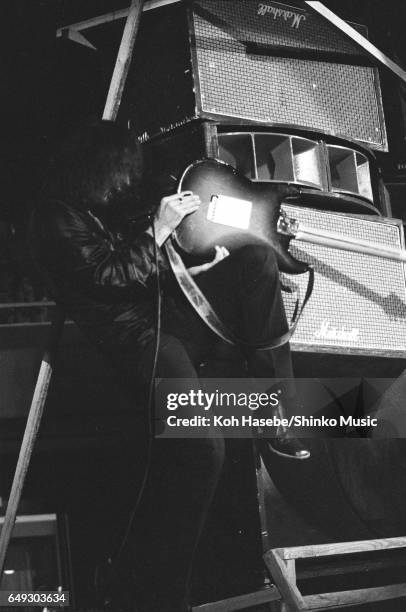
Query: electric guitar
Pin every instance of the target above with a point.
(235, 211)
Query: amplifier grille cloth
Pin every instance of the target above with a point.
(359, 299)
(329, 97)
(302, 29)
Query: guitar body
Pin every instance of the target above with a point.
(234, 212)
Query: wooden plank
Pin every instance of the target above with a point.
(281, 564)
(356, 37)
(241, 602)
(291, 572)
(340, 548)
(326, 601)
(30, 435)
(350, 567)
(78, 38)
(93, 22)
(8, 305)
(288, 589)
(123, 61)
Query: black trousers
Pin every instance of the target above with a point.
(244, 289)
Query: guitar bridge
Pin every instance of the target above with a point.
(286, 225)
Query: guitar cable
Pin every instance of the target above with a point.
(150, 417)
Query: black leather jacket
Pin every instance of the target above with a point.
(105, 281)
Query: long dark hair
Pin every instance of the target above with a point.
(90, 159)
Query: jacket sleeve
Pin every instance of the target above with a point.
(73, 248)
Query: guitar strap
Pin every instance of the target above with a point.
(204, 309)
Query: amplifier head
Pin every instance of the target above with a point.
(252, 62)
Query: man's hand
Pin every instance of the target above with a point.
(221, 253)
(171, 211)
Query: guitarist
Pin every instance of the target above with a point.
(104, 273)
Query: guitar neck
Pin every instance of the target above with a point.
(344, 243)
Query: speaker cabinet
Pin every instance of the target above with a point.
(249, 62)
(334, 177)
(349, 171)
(358, 304)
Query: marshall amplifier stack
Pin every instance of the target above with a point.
(251, 62)
(282, 95)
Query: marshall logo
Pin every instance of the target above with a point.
(280, 13)
(327, 332)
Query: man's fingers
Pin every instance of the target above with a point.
(221, 253)
(218, 254)
(184, 206)
(183, 196)
(188, 200)
(171, 198)
(221, 250)
(184, 212)
(187, 208)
